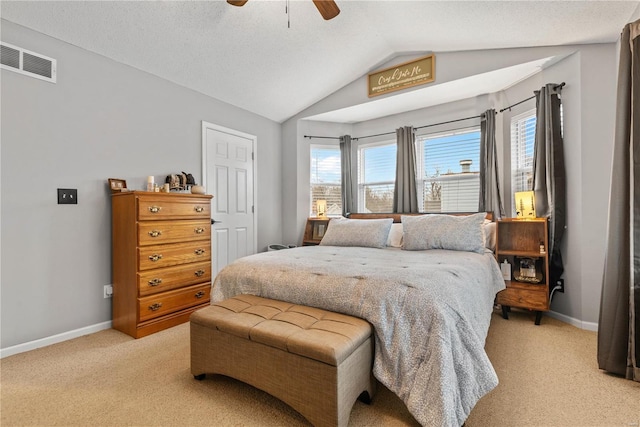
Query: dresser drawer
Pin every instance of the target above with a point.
(531, 299)
(150, 208)
(167, 302)
(165, 279)
(157, 232)
(160, 256)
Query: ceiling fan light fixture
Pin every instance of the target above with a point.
(237, 2)
(327, 8)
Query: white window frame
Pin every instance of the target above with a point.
(420, 140)
(311, 183)
(517, 144)
(360, 170)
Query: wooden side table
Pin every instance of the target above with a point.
(523, 243)
(314, 230)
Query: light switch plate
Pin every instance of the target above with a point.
(67, 196)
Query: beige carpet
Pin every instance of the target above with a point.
(548, 377)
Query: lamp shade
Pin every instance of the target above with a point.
(525, 204)
(321, 207)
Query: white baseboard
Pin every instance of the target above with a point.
(589, 326)
(54, 339)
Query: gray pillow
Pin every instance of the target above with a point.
(457, 233)
(368, 233)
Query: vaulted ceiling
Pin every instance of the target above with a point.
(276, 64)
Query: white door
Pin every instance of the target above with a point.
(228, 171)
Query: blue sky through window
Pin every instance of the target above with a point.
(442, 155)
(380, 163)
(325, 165)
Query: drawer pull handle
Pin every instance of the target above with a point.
(155, 307)
(155, 209)
(155, 257)
(155, 233)
(199, 295)
(199, 251)
(198, 209)
(155, 282)
(199, 230)
(199, 273)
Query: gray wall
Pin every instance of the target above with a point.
(101, 120)
(588, 99)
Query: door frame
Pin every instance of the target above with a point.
(254, 161)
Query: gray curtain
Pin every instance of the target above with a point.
(347, 179)
(618, 344)
(549, 177)
(405, 193)
(490, 199)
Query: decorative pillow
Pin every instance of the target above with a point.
(490, 235)
(457, 233)
(395, 236)
(368, 233)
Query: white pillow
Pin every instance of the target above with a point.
(490, 235)
(395, 236)
(457, 233)
(368, 233)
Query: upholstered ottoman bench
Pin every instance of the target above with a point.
(316, 361)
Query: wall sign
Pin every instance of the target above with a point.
(412, 73)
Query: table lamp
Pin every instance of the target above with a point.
(321, 208)
(525, 205)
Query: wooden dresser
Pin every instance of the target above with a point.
(161, 258)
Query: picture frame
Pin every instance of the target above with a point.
(402, 76)
(117, 185)
(319, 229)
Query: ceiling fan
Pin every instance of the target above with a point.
(327, 8)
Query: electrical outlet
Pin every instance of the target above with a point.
(108, 291)
(560, 283)
(67, 196)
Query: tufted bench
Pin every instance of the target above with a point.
(316, 361)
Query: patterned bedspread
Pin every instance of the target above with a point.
(430, 311)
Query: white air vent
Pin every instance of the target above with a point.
(28, 63)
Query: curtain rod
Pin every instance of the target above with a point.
(451, 121)
(561, 85)
(392, 133)
(322, 137)
(419, 127)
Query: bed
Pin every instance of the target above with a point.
(429, 295)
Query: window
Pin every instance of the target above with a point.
(326, 178)
(523, 133)
(448, 171)
(523, 136)
(376, 176)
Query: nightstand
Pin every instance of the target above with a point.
(314, 230)
(523, 243)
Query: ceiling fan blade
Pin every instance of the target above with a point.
(327, 8)
(237, 2)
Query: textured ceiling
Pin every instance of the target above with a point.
(248, 57)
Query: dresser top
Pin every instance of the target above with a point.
(160, 194)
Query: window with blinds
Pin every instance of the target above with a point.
(448, 171)
(523, 133)
(326, 178)
(376, 177)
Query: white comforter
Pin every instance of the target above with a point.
(430, 311)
